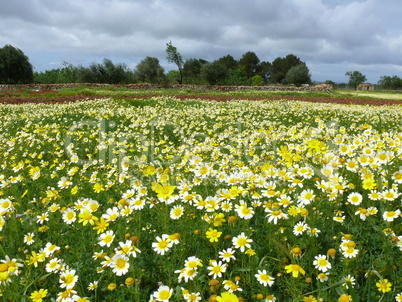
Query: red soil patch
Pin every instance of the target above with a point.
(7, 97)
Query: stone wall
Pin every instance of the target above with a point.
(319, 87)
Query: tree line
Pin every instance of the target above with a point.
(15, 68)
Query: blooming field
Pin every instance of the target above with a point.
(166, 200)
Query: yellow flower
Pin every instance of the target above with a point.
(98, 188)
(369, 184)
(384, 285)
(37, 296)
(163, 191)
(129, 281)
(101, 225)
(316, 146)
(219, 219)
(309, 299)
(227, 297)
(295, 269)
(250, 252)
(111, 286)
(345, 298)
(149, 170)
(52, 194)
(213, 235)
(74, 190)
(43, 228)
(35, 258)
(297, 251)
(86, 216)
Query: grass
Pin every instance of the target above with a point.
(123, 92)
(377, 94)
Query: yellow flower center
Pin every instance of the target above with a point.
(3, 267)
(120, 263)
(322, 262)
(242, 241)
(164, 295)
(163, 244)
(391, 214)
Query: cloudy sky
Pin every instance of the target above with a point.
(331, 36)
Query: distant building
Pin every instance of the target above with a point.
(365, 86)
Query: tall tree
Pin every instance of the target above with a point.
(192, 70)
(229, 62)
(214, 73)
(355, 78)
(251, 63)
(107, 72)
(298, 75)
(238, 76)
(69, 73)
(265, 70)
(172, 76)
(281, 66)
(48, 76)
(388, 82)
(173, 56)
(149, 70)
(15, 67)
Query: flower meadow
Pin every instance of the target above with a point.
(160, 199)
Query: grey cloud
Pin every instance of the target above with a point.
(319, 31)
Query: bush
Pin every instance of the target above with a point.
(257, 80)
(298, 75)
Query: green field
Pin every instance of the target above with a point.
(123, 199)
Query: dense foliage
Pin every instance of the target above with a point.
(388, 82)
(149, 70)
(298, 75)
(15, 67)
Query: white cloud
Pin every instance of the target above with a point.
(323, 32)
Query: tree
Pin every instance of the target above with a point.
(149, 70)
(281, 66)
(229, 62)
(330, 82)
(265, 70)
(214, 73)
(69, 73)
(355, 78)
(388, 82)
(15, 67)
(172, 76)
(47, 77)
(173, 56)
(107, 72)
(298, 75)
(238, 76)
(192, 70)
(251, 63)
